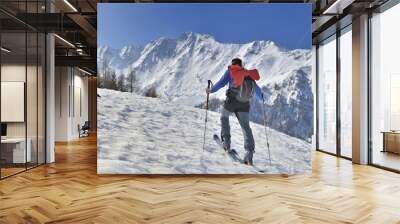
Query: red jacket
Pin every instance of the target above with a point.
(238, 74)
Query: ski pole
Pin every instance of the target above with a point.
(205, 123)
(265, 129)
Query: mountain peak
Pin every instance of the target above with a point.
(129, 51)
(263, 43)
(196, 36)
(186, 35)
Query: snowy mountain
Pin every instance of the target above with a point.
(118, 59)
(143, 135)
(178, 70)
(289, 107)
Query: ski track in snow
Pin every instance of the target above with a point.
(142, 135)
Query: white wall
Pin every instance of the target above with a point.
(79, 102)
(81, 83)
(62, 81)
(70, 84)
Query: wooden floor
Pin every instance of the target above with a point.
(5, 172)
(70, 191)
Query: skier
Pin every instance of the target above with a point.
(242, 87)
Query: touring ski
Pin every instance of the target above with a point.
(234, 155)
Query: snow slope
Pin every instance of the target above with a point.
(142, 135)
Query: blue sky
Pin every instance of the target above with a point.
(289, 25)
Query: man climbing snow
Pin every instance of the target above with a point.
(242, 87)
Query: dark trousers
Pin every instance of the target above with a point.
(243, 118)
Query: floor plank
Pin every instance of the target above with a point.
(70, 191)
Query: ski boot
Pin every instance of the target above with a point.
(248, 158)
(226, 147)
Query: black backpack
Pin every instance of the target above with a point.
(245, 91)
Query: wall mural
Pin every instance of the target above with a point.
(204, 89)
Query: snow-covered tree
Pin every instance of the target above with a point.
(130, 81)
(121, 83)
